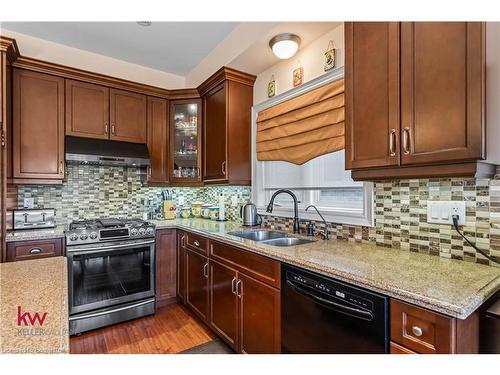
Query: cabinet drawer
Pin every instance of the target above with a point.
(398, 349)
(24, 250)
(197, 243)
(256, 266)
(421, 330)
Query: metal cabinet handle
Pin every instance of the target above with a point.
(406, 141)
(223, 167)
(106, 128)
(238, 289)
(149, 172)
(35, 250)
(205, 270)
(61, 167)
(183, 241)
(392, 142)
(417, 331)
(196, 243)
(113, 129)
(233, 285)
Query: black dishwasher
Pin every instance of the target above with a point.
(322, 315)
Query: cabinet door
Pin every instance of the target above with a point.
(166, 265)
(442, 94)
(214, 126)
(224, 303)
(158, 140)
(181, 266)
(260, 317)
(185, 142)
(372, 94)
(197, 283)
(128, 116)
(38, 120)
(87, 110)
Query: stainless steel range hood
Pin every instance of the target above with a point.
(103, 152)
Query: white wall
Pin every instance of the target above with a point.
(60, 54)
(311, 59)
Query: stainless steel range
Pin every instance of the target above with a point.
(111, 271)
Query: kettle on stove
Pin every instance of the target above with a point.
(249, 215)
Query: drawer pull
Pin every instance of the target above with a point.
(417, 331)
(196, 243)
(35, 250)
(238, 289)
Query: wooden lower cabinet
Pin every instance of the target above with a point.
(224, 302)
(166, 266)
(26, 250)
(418, 330)
(197, 283)
(260, 317)
(181, 266)
(235, 292)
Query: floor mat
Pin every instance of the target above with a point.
(212, 347)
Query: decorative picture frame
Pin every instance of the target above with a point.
(330, 59)
(271, 87)
(298, 76)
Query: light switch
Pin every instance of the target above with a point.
(29, 202)
(441, 212)
(181, 200)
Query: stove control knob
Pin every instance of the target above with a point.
(93, 235)
(84, 236)
(142, 231)
(150, 231)
(133, 232)
(73, 237)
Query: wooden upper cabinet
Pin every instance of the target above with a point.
(227, 104)
(158, 140)
(127, 116)
(442, 91)
(38, 126)
(87, 110)
(372, 94)
(214, 145)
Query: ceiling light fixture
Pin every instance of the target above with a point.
(284, 45)
(144, 23)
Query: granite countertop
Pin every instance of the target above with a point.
(34, 286)
(35, 234)
(452, 287)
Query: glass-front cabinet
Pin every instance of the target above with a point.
(185, 142)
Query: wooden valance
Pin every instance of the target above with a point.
(304, 127)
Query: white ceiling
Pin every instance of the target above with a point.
(173, 47)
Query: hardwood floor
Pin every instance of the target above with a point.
(172, 329)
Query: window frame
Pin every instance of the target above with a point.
(261, 196)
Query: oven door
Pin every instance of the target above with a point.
(107, 274)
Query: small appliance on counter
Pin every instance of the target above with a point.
(26, 218)
(249, 215)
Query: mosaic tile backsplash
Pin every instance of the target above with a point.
(401, 215)
(400, 208)
(99, 191)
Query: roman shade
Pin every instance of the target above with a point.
(304, 127)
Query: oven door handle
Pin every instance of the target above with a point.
(92, 315)
(356, 313)
(94, 250)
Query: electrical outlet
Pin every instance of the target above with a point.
(440, 212)
(181, 200)
(28, 202)
(234, 201)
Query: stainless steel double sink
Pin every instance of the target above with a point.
(270, 237)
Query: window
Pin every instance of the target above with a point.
(322, 181)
